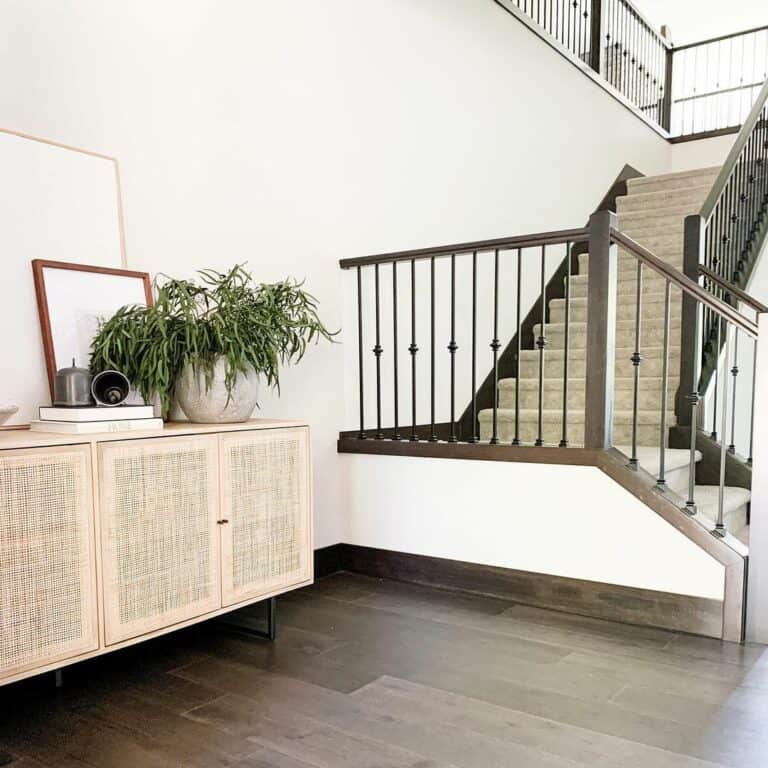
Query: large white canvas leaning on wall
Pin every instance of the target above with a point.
(56, 203)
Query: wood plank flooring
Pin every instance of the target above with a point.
(369, 673)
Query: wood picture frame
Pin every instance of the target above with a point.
(48, 324)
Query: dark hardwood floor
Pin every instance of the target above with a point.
(373, 674)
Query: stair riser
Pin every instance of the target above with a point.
(628, 264)
(677, 481)
(642, 232)
(653, 200)
(651, 303)
(644, 185)
(672, 216)
(553, 433)
(648, 399)
(627, 279)
(658, 243)
(651, 285)
(625, 337)
(553, 367)
(733, 520)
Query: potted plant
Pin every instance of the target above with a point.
(208, 342)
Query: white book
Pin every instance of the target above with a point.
(96, 413)
(92, 427)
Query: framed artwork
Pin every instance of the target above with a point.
(72, 299)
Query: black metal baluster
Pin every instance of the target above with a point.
(541, 342)
(625, 51)
(474, 437)
(516, 439)
(635, 58)
(396, 431)
(719, 322)
(377, 350)
(413, 350)
(566, 331)
(452, 348)
(735, 374)
(432, 435)
(636, 360)
(690, 504)
(661, 480)
(495, 346)
(361, 433)
(720, 523)
(752, 407)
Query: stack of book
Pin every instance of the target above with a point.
(87, 420)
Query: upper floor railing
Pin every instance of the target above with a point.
(699, 88)
(715, 82)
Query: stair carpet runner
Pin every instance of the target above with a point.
(651, 213)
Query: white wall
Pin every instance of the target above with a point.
(705, 153)
(294, 134)
(694, 20)
(567, 521)
(291, 135)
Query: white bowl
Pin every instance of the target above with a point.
(6, 411)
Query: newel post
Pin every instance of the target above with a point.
(690, 335)
(757, 595)
(601, 331)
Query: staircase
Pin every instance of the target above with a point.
(651, 213)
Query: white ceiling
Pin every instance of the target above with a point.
(692, 20)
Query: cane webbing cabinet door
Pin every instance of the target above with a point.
(48, 604)
(159, 502)
(265, 485)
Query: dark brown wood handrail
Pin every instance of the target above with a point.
(718, 39)
(502, 243)
(685, 284)
(734, 290)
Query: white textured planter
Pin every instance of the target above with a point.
(208, 405)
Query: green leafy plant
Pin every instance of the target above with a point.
(222, 315)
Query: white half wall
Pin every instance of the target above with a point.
(560, 520)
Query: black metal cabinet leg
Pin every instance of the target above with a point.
(271, 631)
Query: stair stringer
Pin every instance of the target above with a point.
(728, 551)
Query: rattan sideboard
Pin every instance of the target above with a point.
(110, 539)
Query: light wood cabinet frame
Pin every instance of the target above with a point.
(105, 627)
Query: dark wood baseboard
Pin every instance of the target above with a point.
(630, 605)
(328, 560)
